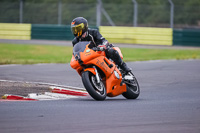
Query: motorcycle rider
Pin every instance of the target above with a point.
(79, 27)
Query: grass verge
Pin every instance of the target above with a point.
(33, 54)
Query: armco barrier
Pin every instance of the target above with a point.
(15, 31)
(51, 32)
(137, 35)
(186, 37)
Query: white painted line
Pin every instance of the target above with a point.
(40, 96)
(60, 96)
(50, 96)
(10, 65)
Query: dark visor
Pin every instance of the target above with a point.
(77, 29)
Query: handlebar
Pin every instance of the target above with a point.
(98, 48)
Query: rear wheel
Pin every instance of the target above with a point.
(133, 89)
(96, 90)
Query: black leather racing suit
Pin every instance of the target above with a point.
(96, 38)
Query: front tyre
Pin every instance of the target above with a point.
(133, 89)
(96, 90)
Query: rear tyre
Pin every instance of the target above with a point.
(96, 90)
(133, 89)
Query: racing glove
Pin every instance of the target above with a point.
(101, 47)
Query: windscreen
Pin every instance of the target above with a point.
(79, 47)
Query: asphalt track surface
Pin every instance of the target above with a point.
(169, 102)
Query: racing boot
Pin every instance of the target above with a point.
(125, 68)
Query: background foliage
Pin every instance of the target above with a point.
(154, 13)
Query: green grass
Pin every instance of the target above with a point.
(140, 54)
(32, 54)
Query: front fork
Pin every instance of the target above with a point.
(97, 75)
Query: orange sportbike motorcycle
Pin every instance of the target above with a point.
(101, 76)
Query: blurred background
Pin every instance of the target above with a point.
(147, 13)
(157, 22)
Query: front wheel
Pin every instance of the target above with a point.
(133, 89)
(96, 90)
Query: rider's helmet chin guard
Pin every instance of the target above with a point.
(79, 26)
